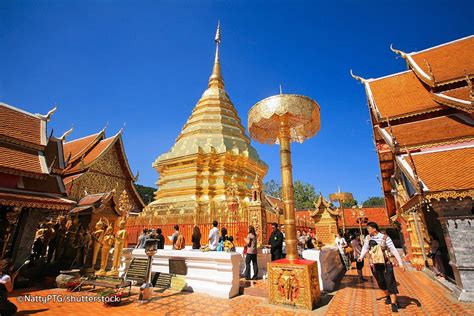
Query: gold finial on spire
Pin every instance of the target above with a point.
(216, 77)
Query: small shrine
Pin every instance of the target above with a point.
(325, 219)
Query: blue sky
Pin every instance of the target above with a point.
(146, 63)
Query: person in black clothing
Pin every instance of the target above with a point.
(223, 235)
(7, 280)
(196, 237)
(276, 242)
(160, 239)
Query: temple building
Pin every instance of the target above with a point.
(31, 187)
(423, 123)
(209, 171)
(96, 167)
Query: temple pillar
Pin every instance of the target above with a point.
(412, 235)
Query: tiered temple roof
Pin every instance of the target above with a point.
(88, 155)
(30, 162)
(423, 121)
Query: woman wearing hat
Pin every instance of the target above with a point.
(6, 285)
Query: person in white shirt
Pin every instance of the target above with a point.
(341, 244)
(214, 236)
(383, 273)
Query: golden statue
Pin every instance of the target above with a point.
(107, 242)
(120, 238)
(97, 237)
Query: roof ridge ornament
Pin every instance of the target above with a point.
(47, 116)
(358, 78)
(398, 52)
(469, 84)
(430, 72)
(66, 133)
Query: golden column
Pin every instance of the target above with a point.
(282, 119)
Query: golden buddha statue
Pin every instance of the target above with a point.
(120, 238)
(107, 242)
(97, 237)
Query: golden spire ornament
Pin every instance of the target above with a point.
(216, 77)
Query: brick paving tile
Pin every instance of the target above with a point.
(419, 295)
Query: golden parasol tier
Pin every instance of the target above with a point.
(341, 197)
(282, 119)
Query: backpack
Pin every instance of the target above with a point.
(180, 243)
(377, 252)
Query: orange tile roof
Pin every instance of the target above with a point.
(443, 129)
(462, 93)
(372, 214)
(401, 94)
(43, 201)
(20, 125)
(448, 61)
(26, 161)
(92, 155)
(76, 148)
(446, 170)
(275, 201)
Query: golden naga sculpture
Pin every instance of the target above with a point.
(97, 237)
(107, 243)
(120, 238)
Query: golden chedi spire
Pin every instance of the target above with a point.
(211, 148)
(216, 80)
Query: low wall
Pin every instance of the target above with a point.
(330, 267)
(213, 273)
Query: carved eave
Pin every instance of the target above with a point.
(459, 104)
(409, 173)
(98, 137)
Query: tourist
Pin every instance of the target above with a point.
(174, 237)
(383, 272)
(356, 249)
(436, 256)
(341, 246)
(7, 308)
(37, 249)
(231, 246)
(251, 243)
(276, 242)
(223, 236)
(301, 242)
(160, 239)
(283, 246)
(311, 233)
(142, 239)
(213, 237)
(196, 237)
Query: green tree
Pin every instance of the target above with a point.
(145, 192)
(374, 201)
(350, 203)
(305, 195)
(272, 188)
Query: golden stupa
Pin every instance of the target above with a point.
(210, 164)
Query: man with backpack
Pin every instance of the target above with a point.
(382, 250)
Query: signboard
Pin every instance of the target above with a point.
(178, 283)
(137, 270)
(178, 266)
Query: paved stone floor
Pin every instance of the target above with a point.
(419, 295)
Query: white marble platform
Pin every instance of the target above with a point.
(330, 267)
(213, 273)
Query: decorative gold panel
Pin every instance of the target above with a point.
(293, 283)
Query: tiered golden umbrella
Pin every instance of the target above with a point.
(282, 119)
